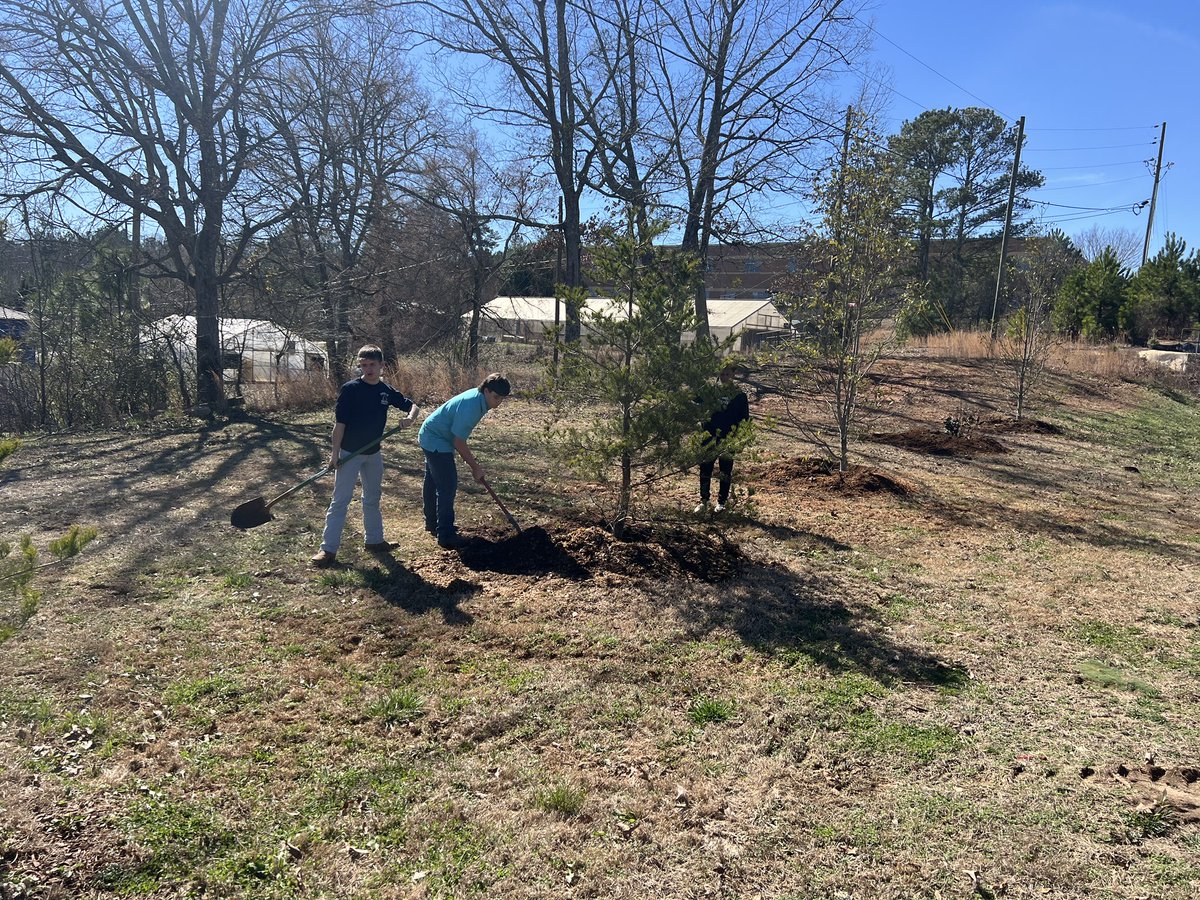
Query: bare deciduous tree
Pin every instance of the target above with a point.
(488, 205)
(352, 126)
(1126, 244)
(146, 106)
(738, 84)
(536, 46)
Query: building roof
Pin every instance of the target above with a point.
(541, 309)
(242, 335)
(733, 313)
(13, 314)
(721, 313)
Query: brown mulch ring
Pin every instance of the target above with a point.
(1009, 425)
(941, 443)
(574, 551)
(823, 473)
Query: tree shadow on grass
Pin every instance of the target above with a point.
(400, 586)
(803, 617)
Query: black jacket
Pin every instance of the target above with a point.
(733, 411)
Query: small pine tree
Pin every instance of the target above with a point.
(652, 389)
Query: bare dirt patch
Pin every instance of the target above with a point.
(1013, 425)
(823, 474)
(941, 443)
(1175, 789)
(582, 552)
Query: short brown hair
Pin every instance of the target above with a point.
(497, 384)
(370, 351)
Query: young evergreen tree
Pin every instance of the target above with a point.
(1090, 300)
(1164, 296)
(649, 389)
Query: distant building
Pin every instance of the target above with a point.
(252, 350)
(13, 323)
(532, 319)
(751, 322)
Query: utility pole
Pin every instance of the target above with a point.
(1012, 193)
(1162, 139)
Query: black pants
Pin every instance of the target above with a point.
(706, 470)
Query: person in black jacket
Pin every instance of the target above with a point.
(733, 410)
(360, 417)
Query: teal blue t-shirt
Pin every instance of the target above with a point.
(454, 418)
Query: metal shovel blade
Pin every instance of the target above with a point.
(251, 514)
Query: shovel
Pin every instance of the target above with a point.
(257, 512)
(503, 508)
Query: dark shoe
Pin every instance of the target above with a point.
(454, 542)
(382, 546)
(323, 559)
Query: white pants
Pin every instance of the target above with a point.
(368, 468)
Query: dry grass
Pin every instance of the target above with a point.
(310, 391)
(894, 697)
(955, 345)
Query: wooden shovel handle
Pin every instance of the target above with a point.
(500, 503)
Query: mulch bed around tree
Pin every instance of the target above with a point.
(941, 443)
(824, 474)
(582, 551)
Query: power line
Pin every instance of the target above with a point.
(1118, 128)
(1138, 204)
(1094, 184)
(1127, 162)
(933, 70)
(1082, 149)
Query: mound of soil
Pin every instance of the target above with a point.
(1009, 425)
(532, 552)
(941, 443)
(824, 473)
(580, 552)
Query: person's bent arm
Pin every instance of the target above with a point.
(469, 458)
(338, 431)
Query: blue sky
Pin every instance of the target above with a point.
(1094, 82)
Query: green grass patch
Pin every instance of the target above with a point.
(1101, 673)
(919, 742)
(397, 707)
(563, 799)
(213, 688)
(1163, 434)
(1120, 639)
(710, 711)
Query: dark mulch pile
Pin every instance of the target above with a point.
(941, 443)
(532, 552)
(1009, 425)
(824, 473)
(582, 551)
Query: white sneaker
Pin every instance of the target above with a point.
(720, 507)
(701, 508)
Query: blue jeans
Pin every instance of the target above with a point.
(441, 484)
(369, 468)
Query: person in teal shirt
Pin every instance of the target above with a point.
(443, 433)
